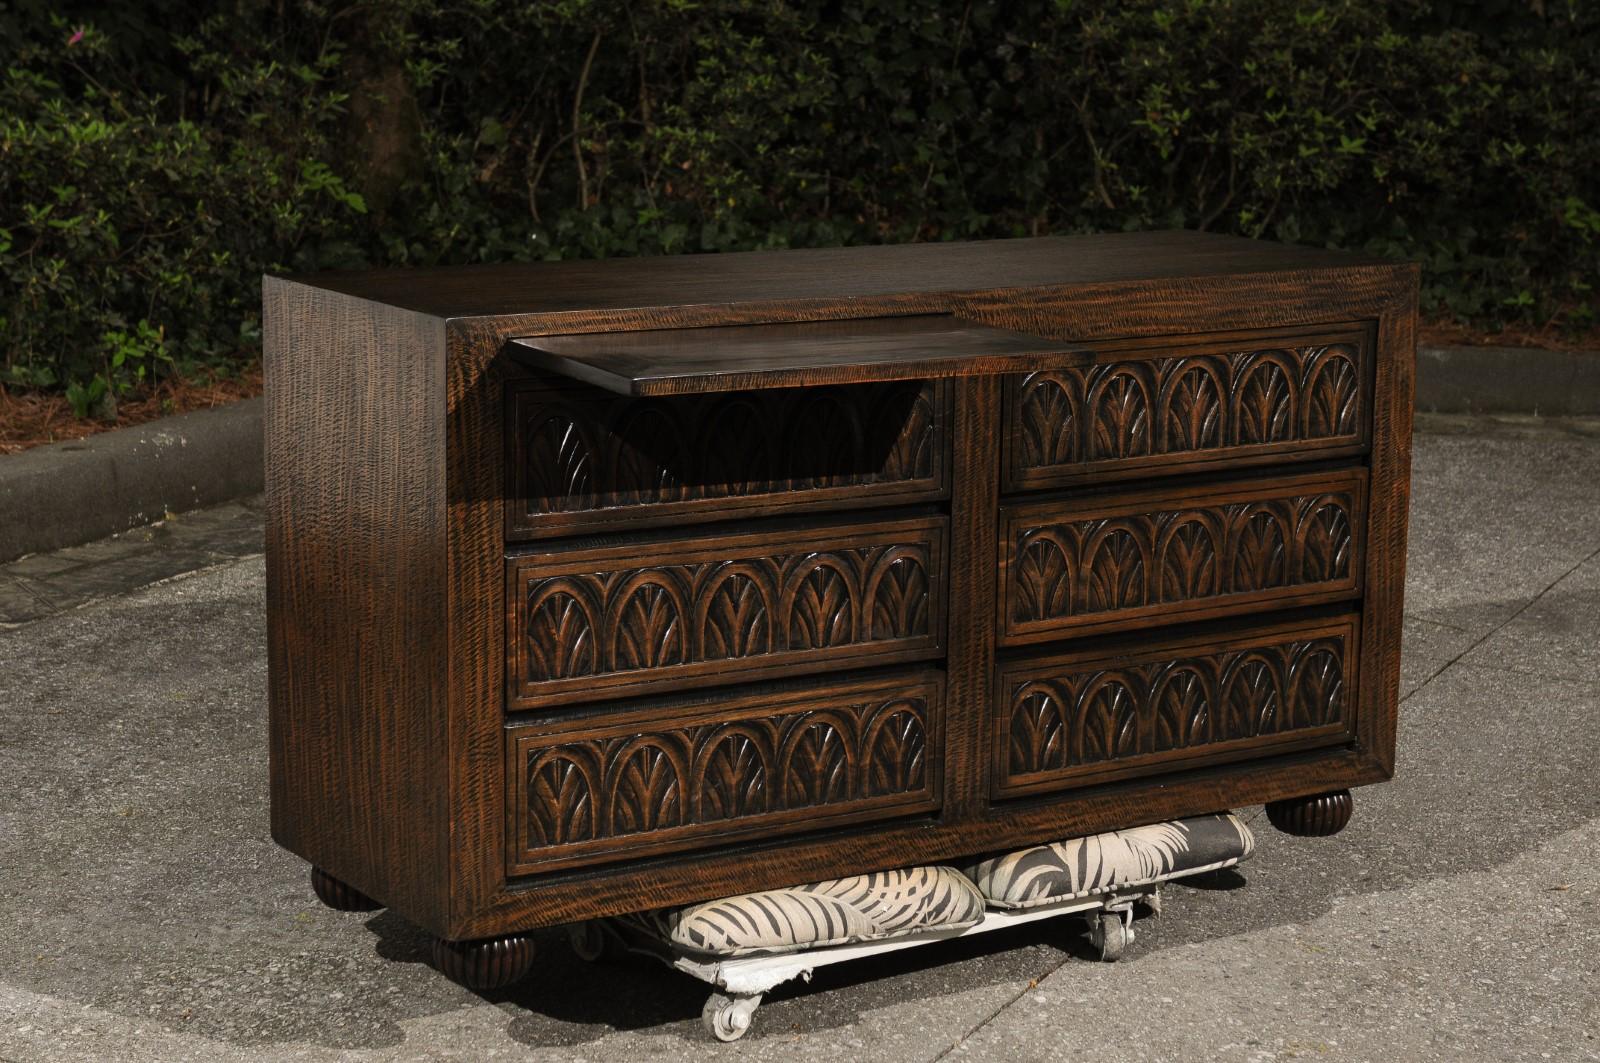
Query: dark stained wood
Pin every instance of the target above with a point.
(970, 658)
(810, 354)
(355, 533)
(583, 459)
(1083, 564)
(1191, 403)
(836, 276)
(338, 896)
(1137, 708)
(557, 898)
(1134, 300)
(1388, 509)
(586, 624)
(1317, 816)
(758, 765)
(485, 963)
(475, 567)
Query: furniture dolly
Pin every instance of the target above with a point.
(746, 946)
(605, 588)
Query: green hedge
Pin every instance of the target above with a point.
(148, 176)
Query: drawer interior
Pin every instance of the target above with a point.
(583, 459)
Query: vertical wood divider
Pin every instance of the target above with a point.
(974, 525)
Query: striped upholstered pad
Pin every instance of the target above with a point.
(840, 911)
(1118, 859)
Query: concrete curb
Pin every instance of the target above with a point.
(1508, 380)
(68, 493)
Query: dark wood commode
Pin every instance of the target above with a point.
(603, 586)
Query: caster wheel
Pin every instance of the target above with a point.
(1110, 936)
(727, 1018)
(338, 896)
(592, 942)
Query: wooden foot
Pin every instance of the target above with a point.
(1312, 817)
(487, 963)
(338, 896)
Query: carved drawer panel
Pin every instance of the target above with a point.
(1079, 718)
(692, 776)
(1160, 407)
(1099, 563)
(609, 622)
(581, 458)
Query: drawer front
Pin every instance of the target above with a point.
(612, 622)
(1164, 406)
(690, 777)
(582, 459)
(1075, 719)
(1102, 563)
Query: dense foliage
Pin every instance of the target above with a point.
(157, 155)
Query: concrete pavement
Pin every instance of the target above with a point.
(146, 915)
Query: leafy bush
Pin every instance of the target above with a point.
(148, 176)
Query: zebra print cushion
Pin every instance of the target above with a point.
(1120, 858)
(889, 904)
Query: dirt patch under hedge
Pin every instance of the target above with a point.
(33, 418)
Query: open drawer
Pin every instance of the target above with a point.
(792, 354)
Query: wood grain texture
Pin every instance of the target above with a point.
(562, 897)
(1075, 565)
(485, 963)
(1069, 719)
(1318, 816)
(587, 624)
(1190, 403)
(789, 354)
(475, 567)
(1114, 294)
(1105, 312)
(338, 896)
(694, 776)
(355, 531)
(582, 459)
(1389, 505)
(974, 523)
(834, 276)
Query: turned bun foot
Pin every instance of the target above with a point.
(1312, 817)
(487, 963)
(338, 896)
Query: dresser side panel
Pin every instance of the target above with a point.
(1388, 514)
(355, 540)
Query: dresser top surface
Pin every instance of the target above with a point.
(838, 274)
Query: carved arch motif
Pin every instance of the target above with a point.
(1265, 400)
(1063, 719)
(614, 616)
(678, 781)
(1123, 412)
(1119, 405)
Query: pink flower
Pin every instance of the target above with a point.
(77, 35)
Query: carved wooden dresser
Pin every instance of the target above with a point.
(599, 587)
